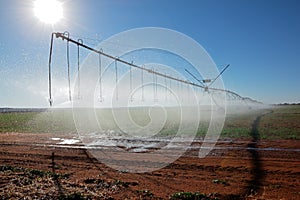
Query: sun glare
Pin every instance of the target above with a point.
(48, 11)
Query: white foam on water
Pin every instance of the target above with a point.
(69, 141)
(134, 144)
(142, 144)
(56, 139)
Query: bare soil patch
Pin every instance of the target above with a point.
(30, 168)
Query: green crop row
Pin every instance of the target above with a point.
(281, 122)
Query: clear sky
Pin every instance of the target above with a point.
(259, 38)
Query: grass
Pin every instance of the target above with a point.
(219, 181)
(72, 196)
(38, 122)
(143, 194)
(33, 173)
(26, 183)
(191, 196)
(281, 122)
(240, 125)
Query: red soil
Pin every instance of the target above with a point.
(233, 173)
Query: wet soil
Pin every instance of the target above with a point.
(30, 168)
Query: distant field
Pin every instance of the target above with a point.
(284, 123)
(37, 122)
(280, 122)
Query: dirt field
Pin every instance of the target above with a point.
(236, 169)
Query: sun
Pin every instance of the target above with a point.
(48, 11)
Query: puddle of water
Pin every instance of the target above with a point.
(69, 141)
(66, 141)
(56, 139)
(144, 144)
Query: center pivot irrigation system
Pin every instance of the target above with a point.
(204, 84)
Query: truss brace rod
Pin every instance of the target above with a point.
(100, 76)
(116, 71)
(50, 59)
(142, 80)
(194, 77)
(166, 88)
(219, 75)
(67, 35)
(130, 79)
(154, 95)
(78, 66)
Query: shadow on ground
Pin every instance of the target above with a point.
(255, 184)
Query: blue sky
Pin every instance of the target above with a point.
(259, 38)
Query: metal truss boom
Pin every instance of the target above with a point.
(79, 43)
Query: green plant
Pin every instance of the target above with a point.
(10, 168)
(144, 193)
(121, 183)
(218, 181)
(191, 196)
(72, 196)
